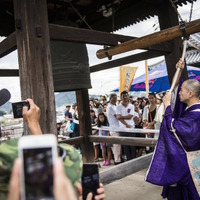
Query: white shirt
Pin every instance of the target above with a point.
(124, 111)
(111, 113)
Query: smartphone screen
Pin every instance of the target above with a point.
(38, 173)
(90, 179)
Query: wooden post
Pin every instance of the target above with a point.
(168, 18)
(34, 57)
(85, 125)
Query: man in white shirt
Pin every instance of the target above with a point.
(114, 123)
(126, 115)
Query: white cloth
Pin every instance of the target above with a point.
(111, 115)
(145, 115)
(158, 118)
(114, 122)
(125, 111)
(116, 148)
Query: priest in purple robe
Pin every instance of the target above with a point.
(169, 166)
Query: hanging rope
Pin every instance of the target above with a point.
(191, 10)
(179, 16)
(182, 22)
(175, 9)
(81, 17)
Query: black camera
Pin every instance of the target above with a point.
(18, 108)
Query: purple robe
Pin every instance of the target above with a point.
(169, 163)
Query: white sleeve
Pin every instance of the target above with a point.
(112, 111)
(135, 115)
(173, 99)
(132, 110)
(145, 113)
(159, 113)
(118, 110)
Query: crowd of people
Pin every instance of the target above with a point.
(179, 134)
(118, 112)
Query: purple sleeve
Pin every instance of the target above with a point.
(168, 116)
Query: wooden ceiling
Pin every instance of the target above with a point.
(102, 15)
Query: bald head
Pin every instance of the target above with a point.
(194, 86)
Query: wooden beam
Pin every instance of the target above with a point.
(125, 60)
(148, 40)
(87, 149)
(106, 65)
(9, 72)
(8, 45)
(127, 168)
(76, 140)
(134, 141)
(73, 34)
(36, 80)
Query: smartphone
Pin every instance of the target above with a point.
(90, 179)
(18, 108)
(38, 154)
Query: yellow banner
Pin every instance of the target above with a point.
(127, 75)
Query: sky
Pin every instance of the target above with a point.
(103, 82)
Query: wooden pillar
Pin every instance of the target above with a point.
(168, 18)
(85, 125)
(32, 34)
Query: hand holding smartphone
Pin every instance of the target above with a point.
(90, 179)
(38, 154)
(18, 108)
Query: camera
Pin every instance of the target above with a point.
(18, 108)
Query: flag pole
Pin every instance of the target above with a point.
(146, 79)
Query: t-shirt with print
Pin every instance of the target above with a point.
(124, 111)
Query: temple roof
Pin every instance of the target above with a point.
(103, 15)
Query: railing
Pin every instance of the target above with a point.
(135, 141)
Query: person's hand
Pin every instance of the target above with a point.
(180, 64)
(14, 186)
(63, 189)
(100, 193)
(167, 99)
(32, 117)
(128, 126)
(118, 117)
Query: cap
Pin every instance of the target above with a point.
(4, 96)
(72, 162)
